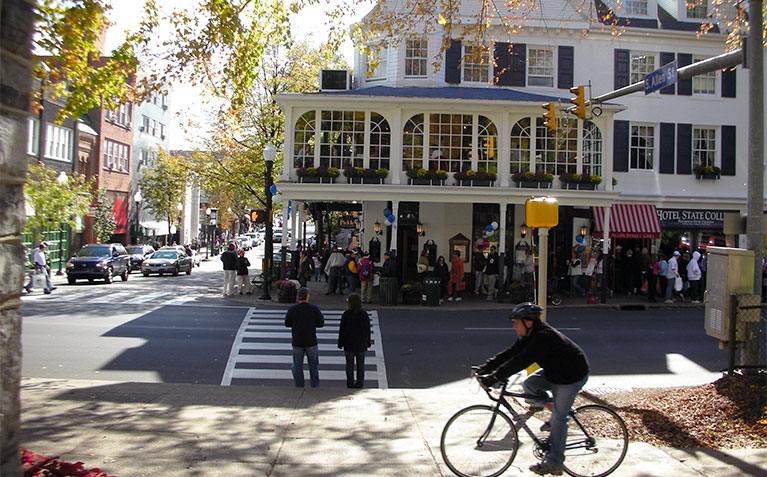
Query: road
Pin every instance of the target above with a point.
(180, 330)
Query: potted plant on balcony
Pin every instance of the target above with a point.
(328, 174)
(307, 174)
(353, 174)
(533, 180)
(571, 180)
(420, 176)
(374, 176)
(469, 177)
(707, 172)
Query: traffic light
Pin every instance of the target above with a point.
(258, 216)
(253, 216)
(579, 101)
(550, 116)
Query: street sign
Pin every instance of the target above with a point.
(660, 78)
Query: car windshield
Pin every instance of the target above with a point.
(165, 254)
(94, 252)
(137, 250)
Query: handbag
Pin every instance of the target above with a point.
(461, 286)
(645, 287)
(38, 280)
(678, 284)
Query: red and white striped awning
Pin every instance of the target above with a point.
(628, 221)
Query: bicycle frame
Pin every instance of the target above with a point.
(517, 418)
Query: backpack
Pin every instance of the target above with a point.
(366, 270)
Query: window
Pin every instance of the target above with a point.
(380, 137)
(556, 152)
(703, 146)
(642, 148)
(303, 140)
(540, 66)
(115, 156)
(450, 141)
(635, 7)
(476, 64)
(416, 57)
(487, 145)
(342, 139)
(33, 136)
(120, 115)
(153, 127)
(412, 143)
(162, 131)
(697, 9)
(592, 149)
(641, 66)
(145, 124)
(58, 143)
(704, 83)
(520, 146)
(378, 70)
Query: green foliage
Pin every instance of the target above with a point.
(55, 203)
(104, 223)
(163, 186)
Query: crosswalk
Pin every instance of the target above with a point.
(123, 297)
(262, 353)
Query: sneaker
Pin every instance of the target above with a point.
(53, 288)
(669, 301)
(544, 468)
(489, 298)
(450, 298)
(440, 301)
(47, 292)
(546, 427)
(695, 301)
(458, 299)
(29, 290)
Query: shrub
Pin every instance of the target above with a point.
(353, 171)
(416, 173)
(701, 170)
(306, 172)
(437, 175)
(382, 172)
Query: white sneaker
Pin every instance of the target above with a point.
(695, 301)
(489, 298)
(440, 301)
(669, 301)
(458, 299)
(450, 298)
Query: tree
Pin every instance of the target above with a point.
(104, 223)
(55, 203)
(163, 186)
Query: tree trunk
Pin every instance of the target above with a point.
(17, 18)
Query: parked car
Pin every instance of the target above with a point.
(196, 258)
(138, 254)
(167, 260)
(244, 243)
(97, 260)
(255, 240)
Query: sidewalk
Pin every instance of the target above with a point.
(143, 429)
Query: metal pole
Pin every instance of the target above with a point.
(732, 334)
(61, 248)
(269, 245)
(543, 265)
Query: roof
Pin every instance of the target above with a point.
(448, 92)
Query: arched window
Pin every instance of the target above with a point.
(487, 145)
(592, 149)
(303, 140)
(450, 141)
(412, 143)
(342, 138)
(520, 146)
(556, 152)
(380, 140)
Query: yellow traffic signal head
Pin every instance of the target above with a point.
(550, 116)
(579, 101)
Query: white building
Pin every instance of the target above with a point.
(481, 108)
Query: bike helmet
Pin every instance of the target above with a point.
(526, 311)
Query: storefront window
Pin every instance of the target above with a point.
(342, 138)
(487, 146)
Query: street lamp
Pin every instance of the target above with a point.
(207, 232)
(62, 180)
(583, 231)
(523, 230)
(179, 207)
(269, 153)
(137, 199)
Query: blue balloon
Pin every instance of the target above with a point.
(489, 228)
(579, 238)
(391, 218)
(580, 248)
(387, 212)
(273, 189)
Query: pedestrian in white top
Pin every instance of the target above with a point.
(41, 267)
(671, 273)
(693, 276)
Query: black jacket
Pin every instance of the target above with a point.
(354, 331)
(242, 265)
(562, 360)
(304, 319)
(491, 265)
(389, 268)
(230, 260)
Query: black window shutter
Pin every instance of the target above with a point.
(518, 64)
(622, 72)
(453, 63)
(728, 83)
(620, 146)
(728, 150)
(667, 140)
(684, 148)
(502, 68)
(666, 58)
(565, 63)
(684, 87)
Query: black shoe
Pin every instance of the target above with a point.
(53, 288)
(47, 292)
(28, 290)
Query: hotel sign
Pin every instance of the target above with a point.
(691, 218)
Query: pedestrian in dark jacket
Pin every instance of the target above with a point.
(354, 339)
(229, 259)
(303, 319)
(390, 268)
(443, 272)
(242, 272)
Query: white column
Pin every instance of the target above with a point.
(300, 213)
(284, 241)
(502, 228)
(606, 231)
(395, 155)
(393, 228)
(294, 232)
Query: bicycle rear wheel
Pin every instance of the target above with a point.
(597, 441)
(467, 453)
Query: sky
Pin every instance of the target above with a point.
(188, 102)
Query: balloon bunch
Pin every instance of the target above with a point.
(490, 229)
(390, 218)
(275, 198)
(580, 248)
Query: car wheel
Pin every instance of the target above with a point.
(145, 274)
(175, 272)
(189, 272)
(71, 281)
(108, 276)
(124, 275)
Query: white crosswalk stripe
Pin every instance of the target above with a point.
(262, 353)
(124, 297)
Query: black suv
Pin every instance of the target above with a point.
(138, 254)
(97, 260)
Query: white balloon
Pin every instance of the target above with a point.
(277, 199)
(495, 225)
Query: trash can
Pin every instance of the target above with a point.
(388, 290)
(431, 291)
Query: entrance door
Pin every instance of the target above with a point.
(407, 253)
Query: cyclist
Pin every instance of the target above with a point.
(563, 370)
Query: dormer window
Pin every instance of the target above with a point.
(635, 7)
(377, 71)
(697, 9)
(476, 61)
(416, 57)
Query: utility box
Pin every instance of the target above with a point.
(728, 271)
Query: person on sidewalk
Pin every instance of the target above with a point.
(456, 276)
(671, 274)
(529, 267)
(366, 274)
(576, 272)
(479, 263)
(242, 272)
(229, 258)
(441, 270)
(334, 269)
(491, 273)
(304, 268)
(354, 339)
(693, 276)
(653, 271)
(41, 267)
(303, 319)
(563, 370)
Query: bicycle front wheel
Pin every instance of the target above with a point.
(476, 444)
(597, 441)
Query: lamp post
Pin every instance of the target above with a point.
(207, 232)
(179, 208)
(269, 153)
(137, 199)
(62, 180)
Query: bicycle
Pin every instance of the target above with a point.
(482, 440)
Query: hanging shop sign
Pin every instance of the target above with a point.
(691, 218)
(348, 222)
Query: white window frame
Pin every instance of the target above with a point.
(536, 75)
(58, 143)
(704, 146)
(380, 72)
(635, 8)
(697, 9)
(145, 124)
(475, 67)
(33, 136)
(638, 74)
(417, 55)
(698, 81)
(116, 156)
(651, 150)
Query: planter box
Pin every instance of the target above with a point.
(426, 181)
(327, 180)
(309, 180)
(476, 183)
(579, 186)
(534, 185)
(707, 176)
(354, 180)
(372, 180)
(584, 186)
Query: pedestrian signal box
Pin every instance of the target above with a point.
(253, 216)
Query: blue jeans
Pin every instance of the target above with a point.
(564, 396)
(312, 357)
